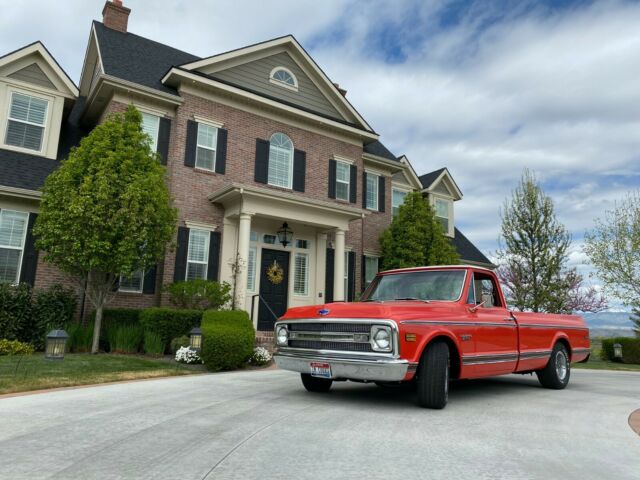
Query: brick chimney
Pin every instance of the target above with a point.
(115, 15)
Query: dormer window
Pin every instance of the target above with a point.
(443, 212)
(284, 77)
(26, 121)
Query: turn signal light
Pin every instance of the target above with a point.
(410, 337)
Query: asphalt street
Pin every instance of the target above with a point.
(264, 425)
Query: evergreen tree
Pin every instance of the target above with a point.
(635, 318)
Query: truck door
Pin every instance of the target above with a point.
(496, 331)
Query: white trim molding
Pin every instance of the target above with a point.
(200, 225)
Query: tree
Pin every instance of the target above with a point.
(107, 210)
(613, 247)
(415, 237)
(534, 253)
(635, 318)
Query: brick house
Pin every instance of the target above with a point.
(252, 139)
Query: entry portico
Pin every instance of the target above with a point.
(252, 217)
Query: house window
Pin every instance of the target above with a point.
(343, 177)
(206, 151)
(198, 256)
(151, 126)
(370, 269)
(269, 239)
(372, 191)
(302, 244)
(13, 230)
(133, 283)
(27, 118)
(301, 274)
(280, 161)
(284, 77)
(251, 269)
(442, 213)
(397, 200)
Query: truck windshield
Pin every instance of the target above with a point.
(445, 285)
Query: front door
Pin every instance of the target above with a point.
(274, 286)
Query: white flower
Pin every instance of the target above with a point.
(261, 356)
(187, 355)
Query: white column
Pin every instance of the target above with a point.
(321, 267)
(244, 234)
(338, 267)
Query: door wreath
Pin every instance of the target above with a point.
(275, 274)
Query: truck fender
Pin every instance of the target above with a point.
(454, 348)
(564, 339)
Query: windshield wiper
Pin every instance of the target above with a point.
(410, 298)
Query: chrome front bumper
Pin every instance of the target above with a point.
(350, 368)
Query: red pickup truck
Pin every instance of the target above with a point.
(428, 325)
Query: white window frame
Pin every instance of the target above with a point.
(289, 184)
(251, 272)
(132, 290)
(45, 126)
(154, 138)
(206, 147)
(395, 207)
(206, 249)
(280, 83)
(305, 292)
(21, 248)
(348, 182)
(449, 218)
(376, 190)
(377, 259)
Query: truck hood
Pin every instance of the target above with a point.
(398, 310)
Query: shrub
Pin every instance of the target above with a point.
(228, 339)
(127, 339)
(55, 306)
(80, 337)
(187, 355)
(199, 294)
(179, 342)
(630, 349)
(169, 323)
(16, 310)
(112, 319)
(153, 344)
(15, 347)
(260, 356)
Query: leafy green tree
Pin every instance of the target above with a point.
(415, 237)
(635, 318)
(107, 210)
(534, 251)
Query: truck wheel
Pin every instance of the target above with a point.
(433, 376)
(556, 374)
(315, 384)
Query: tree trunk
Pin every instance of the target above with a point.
(96, 329)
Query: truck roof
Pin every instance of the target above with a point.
(436, 267)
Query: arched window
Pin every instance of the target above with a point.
(284, 77)
(280, 161)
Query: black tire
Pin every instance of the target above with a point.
(315, 384)
(557, 372)
(433, 376)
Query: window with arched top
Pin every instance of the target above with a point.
(280, 171)
(284, 77)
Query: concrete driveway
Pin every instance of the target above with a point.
(263, 425)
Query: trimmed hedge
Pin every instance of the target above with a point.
(630, 349)
(169, 323)
(228, 339)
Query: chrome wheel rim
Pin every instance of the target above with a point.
(562, 365)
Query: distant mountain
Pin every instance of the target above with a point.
(609, 324)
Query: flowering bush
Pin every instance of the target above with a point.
(260, 356)
(187, 355)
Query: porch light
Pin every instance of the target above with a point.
(285, 234)
(617, 351)
(195, 338)
(56, 345)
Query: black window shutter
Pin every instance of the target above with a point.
(30, 256)
(364, 189)
(214, 256)
(328, 281)
(299, 170)
(351, 276)
(381, 190)
(353, 184)
(363, 272)
(332, 178)
(221, 151)
(380, 263)
(149, 281)
(180, 270)
(163, 139)
(262, 161)
(192, 144)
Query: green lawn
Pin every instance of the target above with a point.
(19, 374)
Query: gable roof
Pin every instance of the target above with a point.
(378, 149)
(467, 250)
(137, 59)
(432, 179)
(428, 178)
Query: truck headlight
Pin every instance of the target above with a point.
(282, 335)
(381, 338)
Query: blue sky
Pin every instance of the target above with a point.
(486, 88)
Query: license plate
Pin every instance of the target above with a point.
(322, 370)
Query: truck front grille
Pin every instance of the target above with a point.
(346, 337)
(322, 345)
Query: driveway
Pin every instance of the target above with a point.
(263, 425)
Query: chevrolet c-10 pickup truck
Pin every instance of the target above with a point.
(428, 325)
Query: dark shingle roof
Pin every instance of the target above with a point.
(428, 178)
(137, 59)
(378, 149)
(467, 250)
